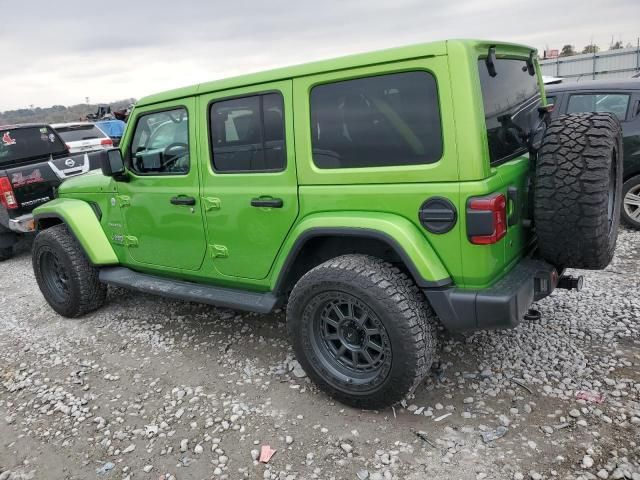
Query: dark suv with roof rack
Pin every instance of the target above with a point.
(33, 162)
(622, 98)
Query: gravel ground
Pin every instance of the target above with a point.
(148, 388)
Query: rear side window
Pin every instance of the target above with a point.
(27, 143)
(385, 120)
(160, 143)
(615, 103)
(247, 134)
(77, 133)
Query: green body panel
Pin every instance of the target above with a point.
(445, 169)
(91, 182)
(483, 264)
(409, 238)
(222, 240)
(82, 221)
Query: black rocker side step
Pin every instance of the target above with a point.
(189, 291)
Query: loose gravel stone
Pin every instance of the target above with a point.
(199, 390)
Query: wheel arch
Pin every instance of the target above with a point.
(83, 223)
(393, 239)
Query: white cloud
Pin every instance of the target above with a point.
(61, 54)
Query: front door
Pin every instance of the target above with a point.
(161, 201)
(250, 192)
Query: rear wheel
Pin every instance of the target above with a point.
(361, 330)
(578, 190)
(631, 202)
(67, 280)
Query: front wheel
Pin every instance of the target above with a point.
(64, 274)
(361, 330)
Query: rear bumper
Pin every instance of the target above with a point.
(500, 306)
(22, 224)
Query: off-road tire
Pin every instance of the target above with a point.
(84, 292)
(631, 187)
(6, 253)
(578, 190)
(399, 307)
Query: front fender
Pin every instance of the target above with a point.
(83, 224)
(403, 236)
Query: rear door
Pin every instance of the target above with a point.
(250, 192)
(510, 99)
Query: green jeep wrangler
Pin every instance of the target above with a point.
(374, 195)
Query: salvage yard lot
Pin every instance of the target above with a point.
(148, 388)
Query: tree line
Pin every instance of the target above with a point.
(569, 50)
(58, 113)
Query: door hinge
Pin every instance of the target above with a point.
(211, 203)
(219, 251)
(130, 241)
(123, 200)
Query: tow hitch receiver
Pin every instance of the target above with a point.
(569, 282)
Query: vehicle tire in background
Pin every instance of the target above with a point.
(7, 237)
(578, 190)
(631, 202)
(6, 253)
(361, 330)
(67, 280)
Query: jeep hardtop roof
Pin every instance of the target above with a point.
(323, 66)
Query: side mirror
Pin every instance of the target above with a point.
(113, 165)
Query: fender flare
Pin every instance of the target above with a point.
(398, 233)
(82, 221)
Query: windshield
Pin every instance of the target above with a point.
(77, 133)
(510, 102)
(26, 143)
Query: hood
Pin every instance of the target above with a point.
(92, 182)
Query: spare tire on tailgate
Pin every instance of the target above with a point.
(578, 190)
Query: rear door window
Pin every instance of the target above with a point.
(616, 103)
(385, 120)
(27, 143)
(247, 134)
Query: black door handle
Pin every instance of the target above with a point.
(183, 201)
(267, 202)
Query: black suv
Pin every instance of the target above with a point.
(621, 97)
(33, 162)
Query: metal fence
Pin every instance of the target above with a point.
(621, 63)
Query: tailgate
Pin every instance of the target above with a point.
(36, 183)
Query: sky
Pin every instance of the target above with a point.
(59, 53)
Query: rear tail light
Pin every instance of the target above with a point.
(487, 219)
(7, 197)
(106, 141)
